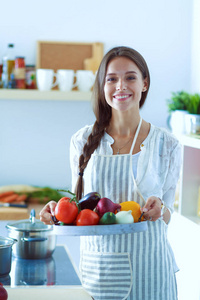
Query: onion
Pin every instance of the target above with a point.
(124, 217)
(106, 205)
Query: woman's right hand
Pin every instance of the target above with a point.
(47, 212)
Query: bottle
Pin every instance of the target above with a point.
(20, 73)
(8, 65)
(11, 82)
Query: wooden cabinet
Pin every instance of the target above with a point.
(190, 178)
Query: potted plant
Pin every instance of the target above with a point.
(192, 120)
(177, 107)
(178, 101)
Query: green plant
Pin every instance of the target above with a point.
(193, 106)
(178, 101)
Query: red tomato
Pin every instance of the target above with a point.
(66, 211)
(87, 217)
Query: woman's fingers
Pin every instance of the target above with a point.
(152, 208)
(47, 212)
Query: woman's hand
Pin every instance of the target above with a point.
(152, 208)
(47, 212)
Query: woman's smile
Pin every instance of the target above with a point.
(122, 97)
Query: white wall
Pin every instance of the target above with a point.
(195, 62)
(159, 30)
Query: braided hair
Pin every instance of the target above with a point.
(102, 110)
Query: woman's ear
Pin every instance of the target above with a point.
(145, 85)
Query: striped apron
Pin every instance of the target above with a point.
(135, 266)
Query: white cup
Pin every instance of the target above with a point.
(85, 80)
(66, 80)
(44, 79)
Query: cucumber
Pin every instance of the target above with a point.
(108, 218)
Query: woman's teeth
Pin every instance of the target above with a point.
(121, 96)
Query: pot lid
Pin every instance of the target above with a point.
(27, 225)
(6, 242)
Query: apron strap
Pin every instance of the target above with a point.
(136, 190)
(136, 135)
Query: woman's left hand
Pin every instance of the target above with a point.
(152, 209)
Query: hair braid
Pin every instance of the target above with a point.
(90, 146)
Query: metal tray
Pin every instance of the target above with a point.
(99, 229)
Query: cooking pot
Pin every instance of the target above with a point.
(35, 239)
(6, 255)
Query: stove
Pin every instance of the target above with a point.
(53, 271)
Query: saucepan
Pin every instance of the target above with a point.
(35, 239)
(6, 254)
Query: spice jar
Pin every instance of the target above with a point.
(20, 73)
(30, 77)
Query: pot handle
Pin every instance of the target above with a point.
(13, 240)
(30, 239)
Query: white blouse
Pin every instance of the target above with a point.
(156, 167)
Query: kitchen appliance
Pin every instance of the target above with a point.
(6, 255)
(57, 270)
(35, 239)
(33, 272)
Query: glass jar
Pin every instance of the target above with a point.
(20, 73)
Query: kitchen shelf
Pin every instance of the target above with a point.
(16, 94)
(190, 178)
(190, 141)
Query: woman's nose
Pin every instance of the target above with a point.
(121, 85)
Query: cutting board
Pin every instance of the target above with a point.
(69, 55)
(13, 213)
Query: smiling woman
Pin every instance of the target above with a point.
(124, 158)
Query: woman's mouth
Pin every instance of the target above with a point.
(122, 97)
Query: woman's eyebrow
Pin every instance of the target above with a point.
(129, 72)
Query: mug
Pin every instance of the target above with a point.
(66, 80)
(44, 79)
(85, 80)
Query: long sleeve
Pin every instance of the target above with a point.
(172, 177)
(74, 159)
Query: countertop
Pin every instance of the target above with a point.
(48, 293)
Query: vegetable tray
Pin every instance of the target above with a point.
(99, 229)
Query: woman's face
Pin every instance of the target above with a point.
(124, 84)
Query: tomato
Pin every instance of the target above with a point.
(66, 211)
(87, 217)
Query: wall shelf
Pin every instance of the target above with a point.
(16, 94)
(190, 141)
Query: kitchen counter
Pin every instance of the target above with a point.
(48, 293)
(50, 278)
(57, 270)
(61, 289)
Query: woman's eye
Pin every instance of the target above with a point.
(111, 79)
(130, 78)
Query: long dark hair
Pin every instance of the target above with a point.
(102, 110)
